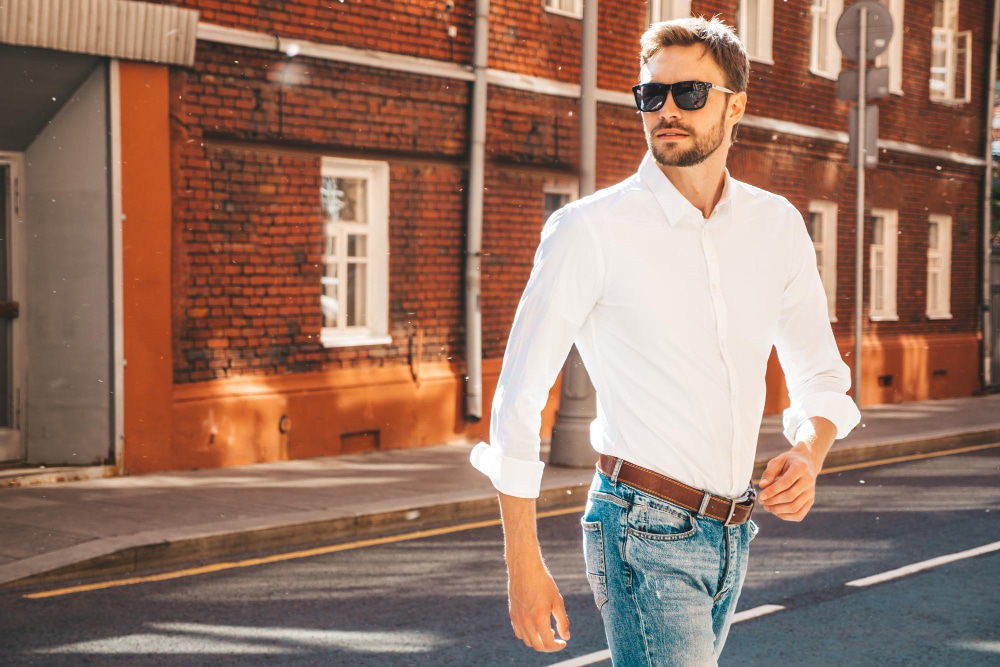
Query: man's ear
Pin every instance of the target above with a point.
(737, 107)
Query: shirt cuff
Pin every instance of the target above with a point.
(514, 477)
(838, 408)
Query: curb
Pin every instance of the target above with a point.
(283, 536)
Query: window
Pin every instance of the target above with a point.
(951, 56)
(882, 265)
(824, 54)
(558, 193)
(939, 267)
(354, 196)
(893, 56)
(754, 26)
(572, 8)
(664, 10)
(823, 230)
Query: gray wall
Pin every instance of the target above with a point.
(68, 296)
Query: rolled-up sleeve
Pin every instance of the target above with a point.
(816, 375)
(561, 292)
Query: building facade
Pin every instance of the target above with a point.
(270, 226)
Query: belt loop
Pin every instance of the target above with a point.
(704, 504)
(618, 467)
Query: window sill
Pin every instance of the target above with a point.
(884, 318)
(353, 339)
(832, 76)
(940, 316)
(563, 12)
(762, 60)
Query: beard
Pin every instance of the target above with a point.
(704, 145)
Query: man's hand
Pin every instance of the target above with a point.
(534, 600)
(788, 485)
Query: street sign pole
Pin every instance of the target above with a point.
(863, 31)
(859, 244)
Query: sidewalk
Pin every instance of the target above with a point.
(122, 525)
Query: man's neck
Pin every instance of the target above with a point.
(702, 184)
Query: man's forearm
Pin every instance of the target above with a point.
(814, 438)
(520, 530)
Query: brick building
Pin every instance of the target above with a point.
(283, 203)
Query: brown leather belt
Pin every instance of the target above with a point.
(730, 512)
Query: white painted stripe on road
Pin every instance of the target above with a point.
(756, 612)
(924, 565)
(601, 656)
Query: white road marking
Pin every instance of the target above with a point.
(924, 565)
(756, 612)
(601, 656)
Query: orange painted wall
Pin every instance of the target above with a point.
(146, 196)
(237, 422)
(272, 418)
(896, 369)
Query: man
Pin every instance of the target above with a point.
(674, 285)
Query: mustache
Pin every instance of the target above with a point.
(672, 126)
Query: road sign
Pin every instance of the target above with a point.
(876, 84)
(879, 29)
(871, 136)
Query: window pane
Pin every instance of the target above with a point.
(749, 23)
(329, 301)
(357, 245)
(816, 226)
(933, 233)
(878, 230)
(345, 199)
(357, 295)
(554, 201)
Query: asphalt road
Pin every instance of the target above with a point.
(442, 600)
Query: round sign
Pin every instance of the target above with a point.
(879, 29)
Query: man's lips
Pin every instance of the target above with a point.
(670, 133)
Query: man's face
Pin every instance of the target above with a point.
(679, 138)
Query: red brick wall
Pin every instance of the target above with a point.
(251, 127)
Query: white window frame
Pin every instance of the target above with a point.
(942, 274)
(886, 253)
(665, 10)
(892, 57)
(556, 7)
(953, 45)
(827, 246)
(562, 186)
(759, 43)
(376, 328)
(824, 55)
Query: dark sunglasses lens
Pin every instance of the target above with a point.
(651, 96)
(690, 96)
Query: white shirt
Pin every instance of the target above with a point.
(674, 317)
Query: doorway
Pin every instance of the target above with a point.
(11, 323)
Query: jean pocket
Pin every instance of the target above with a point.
(752, 529)
(661, 522)
(593, 554)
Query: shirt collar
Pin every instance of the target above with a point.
(673, 203)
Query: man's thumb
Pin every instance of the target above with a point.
(562, 620)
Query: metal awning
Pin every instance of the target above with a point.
(112, 28)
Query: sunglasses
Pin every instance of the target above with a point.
(688, 95)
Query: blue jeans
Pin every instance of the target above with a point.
(666, 581)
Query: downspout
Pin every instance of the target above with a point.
(474, 226)
(989, 317)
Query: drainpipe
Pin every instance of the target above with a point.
(577, 400)
(989, 317)
(474, 227)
